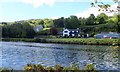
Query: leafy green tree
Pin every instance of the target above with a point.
(116, 20)
(5, 31)
(15, 30)
(48, 23)
(59, 23)
(38, 22)
(27, 30)
(82, 21)
(91, 20)
(102, 18)
(18, 30)
(31, 21)
(72, 22)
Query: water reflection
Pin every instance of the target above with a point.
(17, 55)
(65, 57)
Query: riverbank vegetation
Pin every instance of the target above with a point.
(57, 68)
(81, 41)
(86, 41)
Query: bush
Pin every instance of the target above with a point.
(58, 68)
(90, 68)
(53, 31)
(44, 32)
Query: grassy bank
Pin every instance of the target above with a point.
(85, 41)
(81, 41)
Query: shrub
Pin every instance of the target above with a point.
(44, 32)
(59, 68)
(90, 68)
(53, 31)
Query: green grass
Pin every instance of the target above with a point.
(85, 41)
(82, 41)
(18, 39)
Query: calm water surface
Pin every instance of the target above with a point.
(16, 55)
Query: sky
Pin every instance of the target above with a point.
(15, 10)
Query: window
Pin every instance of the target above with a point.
(65, 31)
(73, 35)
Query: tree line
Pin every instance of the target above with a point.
(18, 30)
(92, 24)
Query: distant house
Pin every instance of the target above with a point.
(108, 35)
(71, 32)
(38, 28)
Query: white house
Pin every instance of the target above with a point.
(71, 32)
(38, 28)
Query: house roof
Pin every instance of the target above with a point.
(73, 29)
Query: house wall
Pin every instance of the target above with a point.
(66, 32)
(38, 28)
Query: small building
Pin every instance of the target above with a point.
(107, 35)
(38, 28)
(71, 32)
